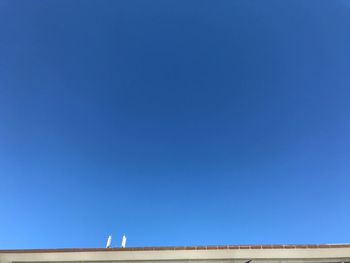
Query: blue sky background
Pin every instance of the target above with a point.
(175, 122)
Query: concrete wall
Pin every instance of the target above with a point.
(309, 255)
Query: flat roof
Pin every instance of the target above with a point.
(220, 247)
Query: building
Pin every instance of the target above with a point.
(335, 253)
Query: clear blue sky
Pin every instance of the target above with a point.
(175, 122)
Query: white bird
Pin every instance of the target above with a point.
(109, 241)
(123, 241)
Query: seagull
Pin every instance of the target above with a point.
(123, 241)
(109, 240)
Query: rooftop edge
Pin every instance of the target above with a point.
(54, 250)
